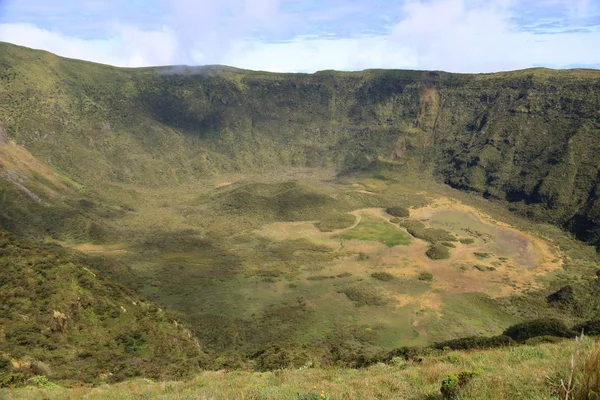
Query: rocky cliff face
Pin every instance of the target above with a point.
(531, 137)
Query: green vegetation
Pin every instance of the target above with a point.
(438, 251)
(418, 230)
(382, 276)
(364, 294)
(496, 374)
(203, 201)
(78, 322)
(425, 276)
(377, 232)
(539, 327)
(453, 384)
(335, 222)
(399, 212)
(481, 256)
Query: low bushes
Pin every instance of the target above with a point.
(418, 230)
(382, 276)
(590, 328)
(539, 327)
(425, 276)
(438, 252)
(364, 294)
(400, 212)
(452, 384)
(475, 342)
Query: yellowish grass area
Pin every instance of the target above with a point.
(504, 271)
(116, 248)
(24, 165)
(524, 372)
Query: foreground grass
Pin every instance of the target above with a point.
(524, 372)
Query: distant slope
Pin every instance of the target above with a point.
(530, 137)
(62, 317)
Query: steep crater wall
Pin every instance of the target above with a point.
(530, 137)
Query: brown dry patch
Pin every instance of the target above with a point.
(428, 302)
(408, 261)
(222, 184)
(447, 203)
(403, 300)
(90, 248)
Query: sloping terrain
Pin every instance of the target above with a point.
(284, 219)
(62, 317)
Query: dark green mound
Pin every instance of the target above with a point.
(432, 235)
(364, 294)
(438, 251)
(399, 212)
(333, 222)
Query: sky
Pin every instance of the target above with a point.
(312, 35)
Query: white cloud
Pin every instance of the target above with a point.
(451, 35)
(126, 47)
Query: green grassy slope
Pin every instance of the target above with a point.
(62, 317)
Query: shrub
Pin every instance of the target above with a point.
(418, 230)
(398, 362)
(449, 388)
(438, 252)
(484, 268)
(467, 240)
(406, 353)
(382, 276)
(11, 379)
(452, 384)
(475, 342)
(400, 212)
(448, 244)
(563, 297)
(364, 294)
(335, 221)
(43, 382)
(280, 356)
(481, 256)
(590, 328)
(539, 327)
(425, 276)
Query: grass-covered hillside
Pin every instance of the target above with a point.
(529, 137)
(62, 317)
(361, 232)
